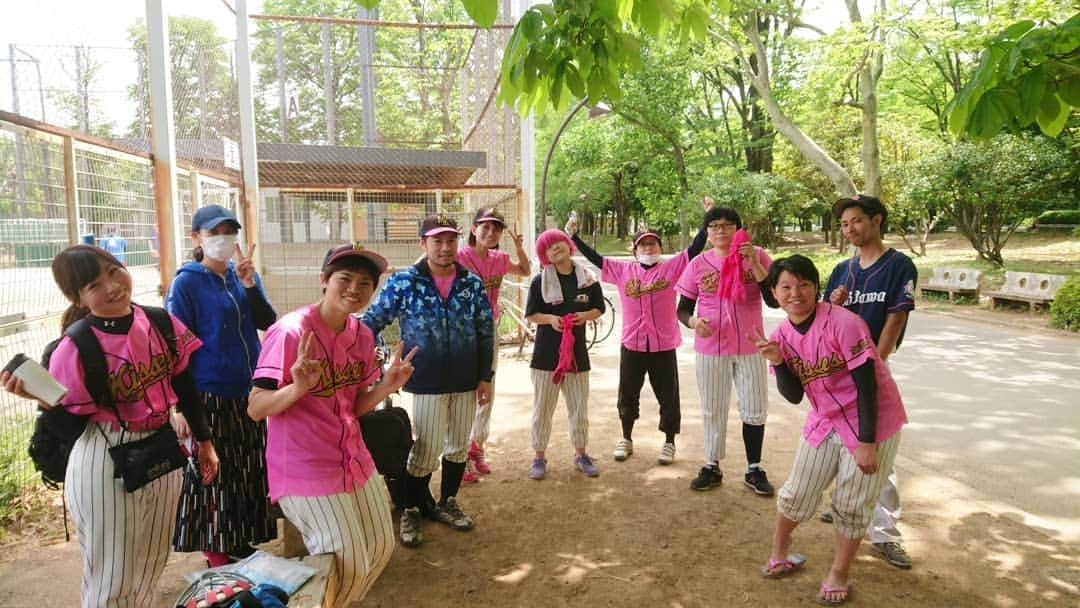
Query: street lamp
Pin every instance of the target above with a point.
(594, 112)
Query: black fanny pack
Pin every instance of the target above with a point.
(144, 460)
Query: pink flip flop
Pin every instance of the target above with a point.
(793, 563)
(826, 589)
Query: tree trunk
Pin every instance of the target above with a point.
(806, 146)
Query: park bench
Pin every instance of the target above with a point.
(953, 281)
(1032, 288)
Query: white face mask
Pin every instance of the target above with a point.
(649, 259)
(219, 247)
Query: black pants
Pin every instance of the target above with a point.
(663, 373)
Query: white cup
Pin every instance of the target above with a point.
(36, 379)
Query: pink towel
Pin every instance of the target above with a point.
(567, 362)
(730, 283)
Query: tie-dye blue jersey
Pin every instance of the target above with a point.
(456, 336)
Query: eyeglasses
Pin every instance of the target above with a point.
(721, 226)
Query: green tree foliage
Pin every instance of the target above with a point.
(1029, 74)
(1065, 309)
(201, 79)
(584, 48)
(987, 189)
(763, 200)
(416, 95)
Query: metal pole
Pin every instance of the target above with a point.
(71, 191)
(20, 161)
(283, 111)
(528, 162)
(328, 86)
(547, 160)
(365, 52)
(82, 97)
(202, 95)
(248, 154)
(162, 139)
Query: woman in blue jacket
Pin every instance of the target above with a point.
(223, 303)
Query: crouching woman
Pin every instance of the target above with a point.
(852, 430)
(313, 379)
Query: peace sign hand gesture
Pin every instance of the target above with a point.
(305, 371)
(768, 349)
(400, 370)
(706, 202)
(245, 268)
(516, 237)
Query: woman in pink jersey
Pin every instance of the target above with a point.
(313, 379)
(483, 258)
(124, 536)
(650, 329)
(720, 301)
(852, 430)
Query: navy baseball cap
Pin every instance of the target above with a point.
(437, 224)
(207, 218)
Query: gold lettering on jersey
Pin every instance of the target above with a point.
(494, 282)
(635, 289)
(860, 346)
(709, 281)
(808, 372)
(334, 378)
(129, 381)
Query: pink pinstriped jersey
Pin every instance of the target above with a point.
(315, 448)
(837, 342)
(140, 372)
(491, 271)
(650, 322)
(730, 320)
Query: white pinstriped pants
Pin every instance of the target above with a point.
(715, 373)
(575, 389)
(441, 423)
(482, 423)
(855, 493)
(356, 527)
(125, 537)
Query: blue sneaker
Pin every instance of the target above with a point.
(586, 465)
(538, 469)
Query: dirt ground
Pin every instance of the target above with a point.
(638, 536)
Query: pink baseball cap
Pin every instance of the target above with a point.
(645, 233)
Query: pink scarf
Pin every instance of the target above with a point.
(567, 362)
(730, 283)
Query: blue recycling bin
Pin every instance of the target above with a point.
(87, 239)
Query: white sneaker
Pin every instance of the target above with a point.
(623, 449)
(667, 454)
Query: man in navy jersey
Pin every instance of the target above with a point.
(878, 284)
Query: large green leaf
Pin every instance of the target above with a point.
(1052, 115)
(1031, 88)
(483, 12)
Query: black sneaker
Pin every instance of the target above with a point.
(708, 478)
(757, 481)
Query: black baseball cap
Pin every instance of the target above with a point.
(354, 250)
(489, 214)
(438, 223)
(210, 216)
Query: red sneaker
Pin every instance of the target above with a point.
(476, 457)
(469, 476)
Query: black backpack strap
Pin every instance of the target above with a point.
(95, 369)
(162, 320)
